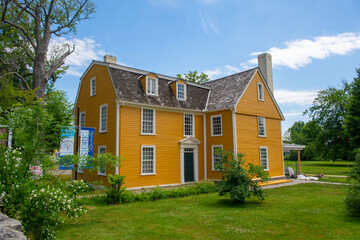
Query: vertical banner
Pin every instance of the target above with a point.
(86, 146)
(66, 147)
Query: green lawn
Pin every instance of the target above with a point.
(306, 211)
(323, 167)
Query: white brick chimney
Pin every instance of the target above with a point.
(265, 66)
(110, 59)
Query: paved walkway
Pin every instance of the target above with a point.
(296, 181)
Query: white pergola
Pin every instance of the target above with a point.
(287, 147)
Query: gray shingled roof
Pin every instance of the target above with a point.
(225, 92)
(128, 88)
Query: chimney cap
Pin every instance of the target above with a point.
(110, 59)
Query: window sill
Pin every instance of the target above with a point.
(185, 136)
(262, 136)
(103, 131)
(147, 134)
(152, 95)
(102, 174)
(216, 135)
(148, 174)
(215, 170)
(262, 100)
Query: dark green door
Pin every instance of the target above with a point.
(189, 165)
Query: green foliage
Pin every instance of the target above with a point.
(40, 206)
(194, 76)
(153, 194)
(237, 178)
(114, 194)
(352, 120)
(352, 201)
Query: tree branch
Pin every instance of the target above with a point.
(23, 30)
(59, 62)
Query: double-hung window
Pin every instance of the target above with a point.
(260, 87)
(102, 166)
(261, 127)
(82, 119)
(264, 158)
(148, 121)
(92, 86)
(151, 86)
(181, 91)
(147, 160)
(216, 125)
(216, 155)
(103, 118)
(188, 124)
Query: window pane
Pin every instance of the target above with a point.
(260, 92)
(188, 125)
(147, 160)
(216, 123)
(103, 118)
(181, 91)
(216, 156)
(82, 119)
(261, 126)
(148, 121)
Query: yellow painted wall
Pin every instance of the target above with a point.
(91, 105)
(248, 141)
(250, 104)
(169, 131)
(226, 139)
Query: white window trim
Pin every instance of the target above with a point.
(177, 89)
(263, 92)
(107, 111)
(99, 173)
(91, 81)
(267, 157)
(212, 127)
(141, 160)
(193, 125)
(154, 122)
(212, 156)
(259, 126)
(156, 86)
(83, 112)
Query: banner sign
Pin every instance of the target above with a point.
(66, 147)
(86, 146)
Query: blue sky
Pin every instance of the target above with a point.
(314, 44)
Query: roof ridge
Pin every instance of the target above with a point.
(230, 75)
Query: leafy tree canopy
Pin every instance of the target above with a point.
(27, 27)
(194, 76)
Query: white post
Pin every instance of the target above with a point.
(117, 142)
(196, 164)
(182, 165)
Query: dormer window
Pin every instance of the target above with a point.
(151, 86)
(181, 91)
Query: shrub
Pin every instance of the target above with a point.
(352, 201)
(114, 194)
(237, 178)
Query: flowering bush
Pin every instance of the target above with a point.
(38, 205)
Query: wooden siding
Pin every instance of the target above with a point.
(105, 94)
(248, 141)
(226, 139)
(250, 105)
(169, 131)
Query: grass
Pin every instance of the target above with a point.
(306, 211)
(336, 179)
(323, 167)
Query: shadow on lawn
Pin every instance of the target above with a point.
(225, 202)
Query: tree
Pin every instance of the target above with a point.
(328, 111)
(29, 26)
(194, 77)
(352, 119)
(237, 178)
(293, 134)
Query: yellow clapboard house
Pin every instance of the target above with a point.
(168, 130)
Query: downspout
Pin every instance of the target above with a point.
(234, 131)
(205, 148)
(117, 141)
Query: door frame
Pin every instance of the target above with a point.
(189, 142)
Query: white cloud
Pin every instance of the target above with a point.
(284, 96)
(86, 50)
(299, 53)
(207, 24)
(221, 71)
(293, 113)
